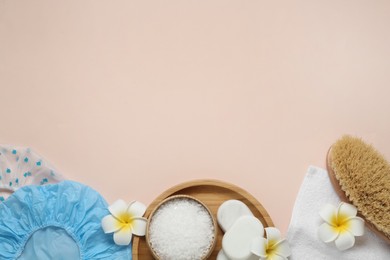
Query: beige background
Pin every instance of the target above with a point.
(133, 97)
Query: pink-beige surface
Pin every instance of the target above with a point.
(133, 97)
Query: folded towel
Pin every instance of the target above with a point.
(315, 192)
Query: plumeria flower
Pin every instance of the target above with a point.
(124, 221)
(341, 225)
(271, 248)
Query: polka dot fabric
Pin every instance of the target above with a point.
(21, 166)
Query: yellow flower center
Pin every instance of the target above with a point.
(271, 249)
(125, 220)
(340, 223)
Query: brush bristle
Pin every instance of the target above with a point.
(364, 176)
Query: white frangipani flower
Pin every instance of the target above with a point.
(124, 221)
(271, 248)
(341, 225)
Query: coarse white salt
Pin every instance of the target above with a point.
(181, 229)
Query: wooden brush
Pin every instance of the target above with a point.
(361, 176)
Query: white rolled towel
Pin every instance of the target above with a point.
(316, 191)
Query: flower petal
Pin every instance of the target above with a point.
(282, 248)
(110, 224)
(276, 257)
(327, 233)
(136, 209)
(118, 208)
(123, 237)
(259, 246)
(345, 240)
(273, 235)
(356, 226)
(328, 212)
(346, 211)
(139, 226)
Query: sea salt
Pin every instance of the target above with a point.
(181, 229)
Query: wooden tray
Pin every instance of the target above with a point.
(212, 193)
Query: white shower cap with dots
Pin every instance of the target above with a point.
(20, 166)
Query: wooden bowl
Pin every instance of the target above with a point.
(182, 197)
(212, 193)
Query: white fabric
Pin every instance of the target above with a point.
(315, 192)
(20, 166)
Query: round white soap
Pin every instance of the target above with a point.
(237, 241)
(221, 256)
(230, 211)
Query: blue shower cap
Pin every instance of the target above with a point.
(56, 221)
